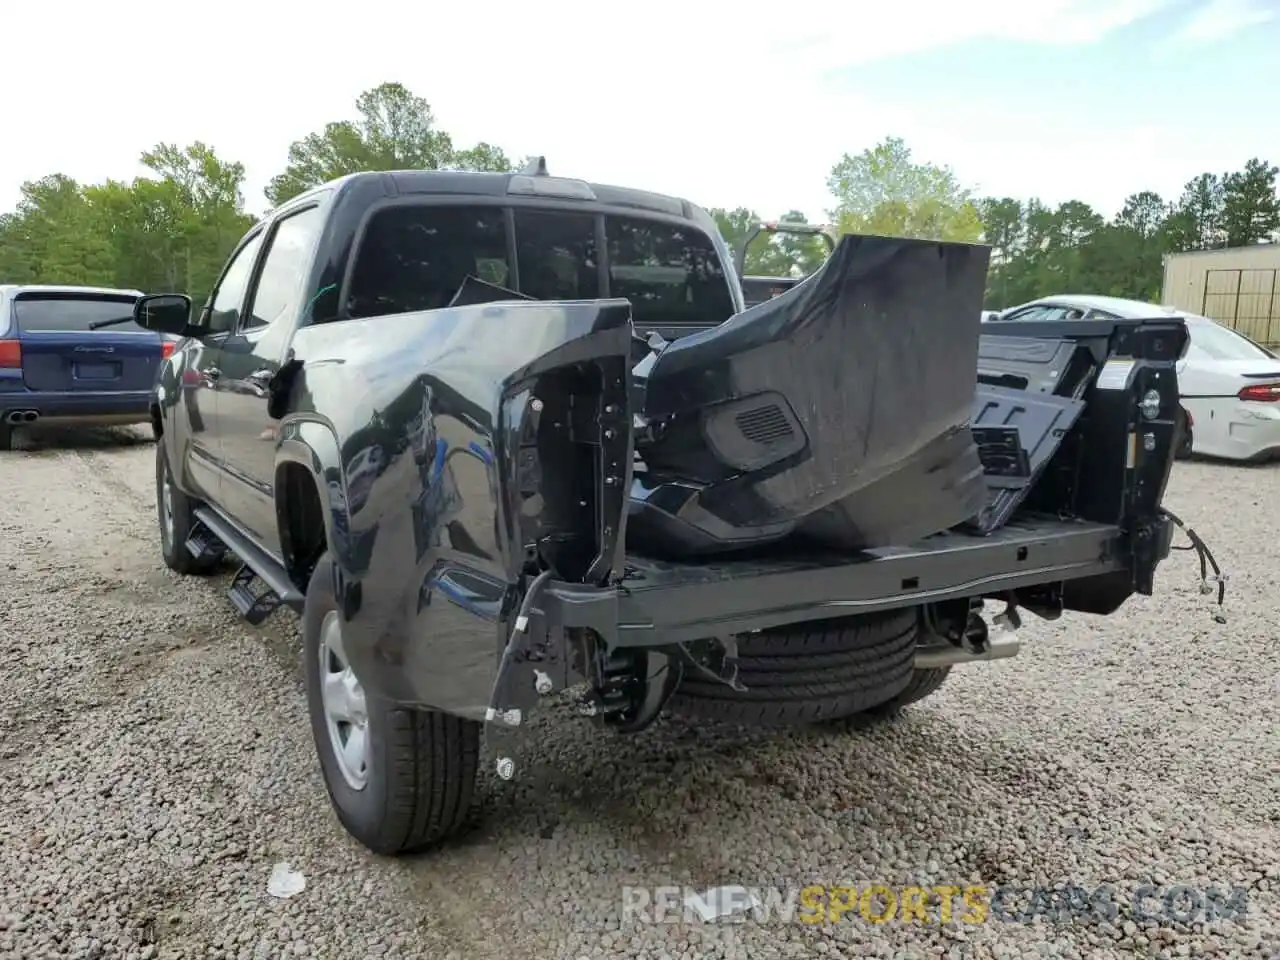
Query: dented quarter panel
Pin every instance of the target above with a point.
(406, 422)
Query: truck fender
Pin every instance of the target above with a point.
(167, 430)
(313, 445)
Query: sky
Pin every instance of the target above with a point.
(725, 104)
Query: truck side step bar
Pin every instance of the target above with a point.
(203, 544)
(254, 606)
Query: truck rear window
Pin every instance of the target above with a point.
(45, 312)
(670, 273)
(557, 255)
(417, 257)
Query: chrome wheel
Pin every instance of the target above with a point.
(345, 714)
(166, 506)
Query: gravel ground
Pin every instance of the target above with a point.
(155, 762)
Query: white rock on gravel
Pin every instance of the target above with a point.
(155, 762)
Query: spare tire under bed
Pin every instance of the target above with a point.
(811, 672)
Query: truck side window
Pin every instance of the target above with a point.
(557, 255)
(228, 299)
(670, 273)
(416, 257)
(288, 257)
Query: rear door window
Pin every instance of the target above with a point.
(73, 313)
(557, 255)
(670, 272)
(417, 257)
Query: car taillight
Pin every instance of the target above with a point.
(10, 354)
(166, 349)
(1261, 392)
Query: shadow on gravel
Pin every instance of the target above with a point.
(40, 439)
(687, 799)
(1207, 461)
(684, 780)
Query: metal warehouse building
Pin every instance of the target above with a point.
(1239, 286)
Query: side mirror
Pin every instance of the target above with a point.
(163, 313)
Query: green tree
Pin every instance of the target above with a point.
(395, 130)
(1003, 228)
(884, 191)
(802, 254)
(1145, 213)
(735, 226)
(1126, 258)
(171, 230)
(1049, 256)
(1071, 249)
(770, 254)
(1250, 207)
(148, 228)
(53, 237)
(1197, 220)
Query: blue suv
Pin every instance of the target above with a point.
(74, 356)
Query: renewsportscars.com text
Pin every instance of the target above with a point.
(971, 904)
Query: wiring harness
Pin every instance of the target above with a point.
(1206, 563)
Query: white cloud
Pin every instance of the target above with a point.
(1218, 20)
(723, 103)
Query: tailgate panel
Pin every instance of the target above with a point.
(1017, 434)
(838, 411)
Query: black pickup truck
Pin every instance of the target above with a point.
(497, 436)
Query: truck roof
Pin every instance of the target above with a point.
(541, 185)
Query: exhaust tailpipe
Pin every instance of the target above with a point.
(22, 416)
(933, 656)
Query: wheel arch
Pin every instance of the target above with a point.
(306, 516)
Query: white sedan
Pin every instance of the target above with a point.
(1230, 386)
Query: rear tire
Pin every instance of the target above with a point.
(6, 437)
(413, 782)
(923, 683)
(174, 512)
(1186, 444)
(1185, 447)
(812, 672)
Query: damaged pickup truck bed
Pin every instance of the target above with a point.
(499, 435)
